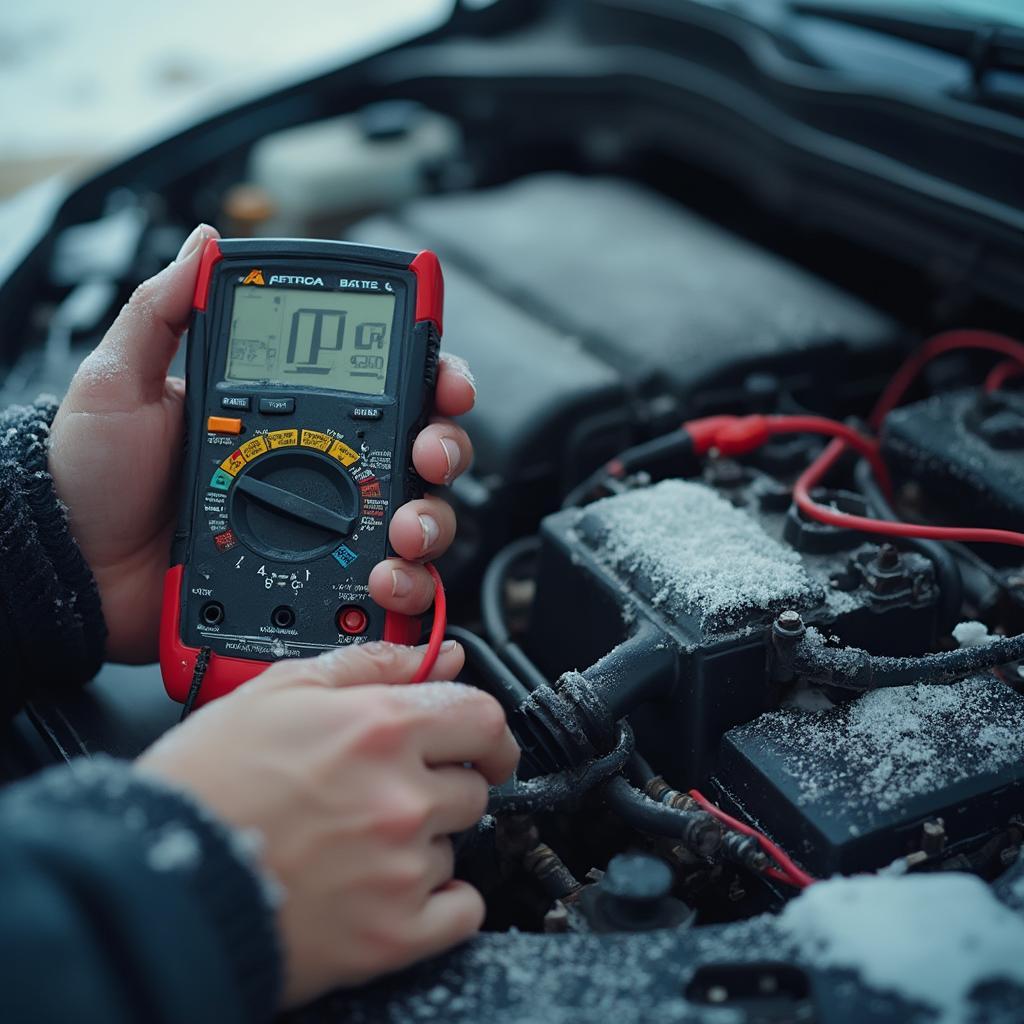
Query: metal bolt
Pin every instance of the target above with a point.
(548, 868)
(556, 920)
(933, 836)
(888, 557)
(915, 859)
(790, 621)
(658, 789)
(744, 850)
(704, 836)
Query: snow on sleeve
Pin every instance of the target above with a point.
(930, 939)
(693, 553)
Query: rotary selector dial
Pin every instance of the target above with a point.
(293, 505)
(294, 495)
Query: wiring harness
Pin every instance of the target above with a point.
(739, 435)
(574, 734)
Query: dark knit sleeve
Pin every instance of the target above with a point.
(125, 901)
(51, 622)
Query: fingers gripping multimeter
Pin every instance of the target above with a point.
(311, 366)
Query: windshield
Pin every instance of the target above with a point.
(93, 79)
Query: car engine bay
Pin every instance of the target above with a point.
(698, 416)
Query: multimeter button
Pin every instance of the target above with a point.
(277, 406)
(352, 620)
(240, 402)
(224, 425)
(367, 413)
(221, 480)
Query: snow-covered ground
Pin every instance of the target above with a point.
(83, 80)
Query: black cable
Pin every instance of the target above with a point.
(568, 723)
(202, 663)
(638, 770)
(48, 733)
(492, 597)
(990, 572)
(492, 610)
(947, 572)
(696, 830)
(590, 436)
(503, 685)
(734, 846)
(641, 668)
(589, 485)
(665, 454)
(851, 668)
(525, 669)
(525, 797)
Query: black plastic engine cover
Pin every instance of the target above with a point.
(595, 312)
(849, 788)
(710, 569)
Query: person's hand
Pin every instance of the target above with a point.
(115, 456)
(355, 787)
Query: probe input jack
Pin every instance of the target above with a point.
(212, 613)
(283, 617)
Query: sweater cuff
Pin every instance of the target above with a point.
(215, 864)
(47, 592)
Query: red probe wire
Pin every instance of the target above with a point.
(437, 629)
(787, 871)
(948, 341)
(736, 435)
(815, 473)
(895, 390)
(1001, 373)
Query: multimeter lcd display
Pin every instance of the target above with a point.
(334, 340)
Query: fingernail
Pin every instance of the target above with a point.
(428, 524)
(191, 244)
(452, 456)
(401, 583)
(449, 645)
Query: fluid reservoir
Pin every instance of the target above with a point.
(320, 176)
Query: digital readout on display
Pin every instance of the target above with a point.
(334, 340)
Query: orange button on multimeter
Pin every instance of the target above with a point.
(224, 425)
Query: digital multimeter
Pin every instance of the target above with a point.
(311, 366)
